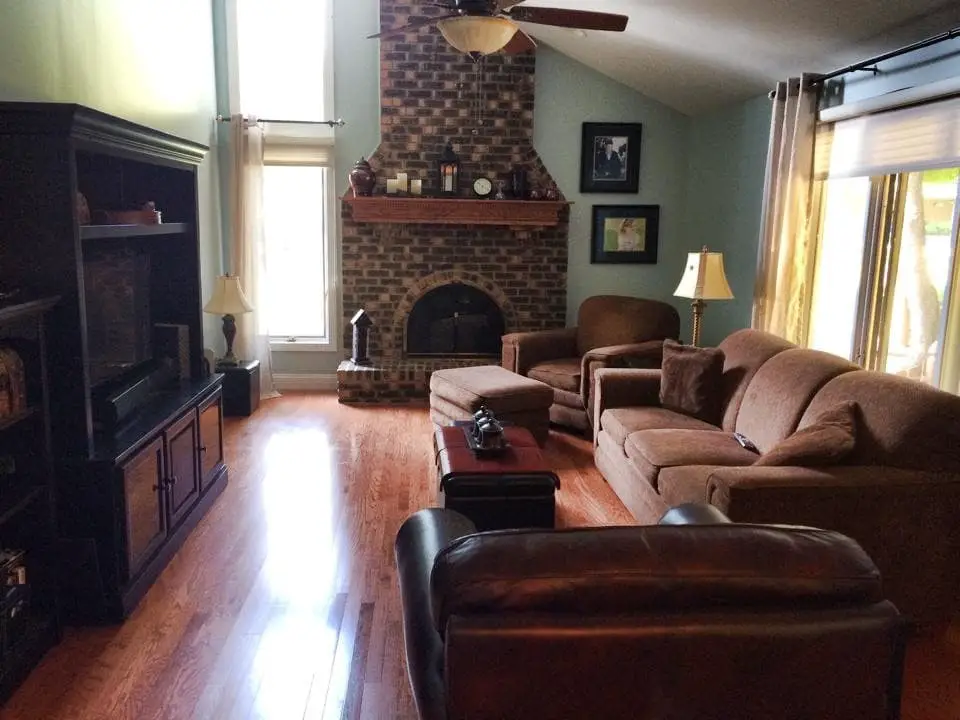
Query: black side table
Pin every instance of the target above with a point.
(241, 387)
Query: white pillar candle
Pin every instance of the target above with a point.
(402, 182)
(416, 186)
(391, 186)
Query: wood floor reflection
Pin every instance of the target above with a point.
(283, 602)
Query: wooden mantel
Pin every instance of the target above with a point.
(455, 211)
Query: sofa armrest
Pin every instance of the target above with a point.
(621, 387)
(420, 539)
(908, 521)
(521, 351)
(648, 355)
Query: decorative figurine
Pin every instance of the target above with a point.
(362, 179)
(361, 322)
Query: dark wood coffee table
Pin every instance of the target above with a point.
(512, 490)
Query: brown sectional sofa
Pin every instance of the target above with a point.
(897, 494)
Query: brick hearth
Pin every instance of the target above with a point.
(429, 96)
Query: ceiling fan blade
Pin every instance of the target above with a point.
(519, 43)
(410, 26)
(582, 19)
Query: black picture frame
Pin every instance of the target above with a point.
(625, 234)
(610, 157)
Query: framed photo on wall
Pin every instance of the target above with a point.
(610, 157)
(625, 234)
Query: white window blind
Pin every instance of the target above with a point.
(920, 137)
(297, 144)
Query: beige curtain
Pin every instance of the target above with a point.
(247, 249)
(785, 263)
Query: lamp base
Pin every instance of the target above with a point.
(229, 333)
(697, 306)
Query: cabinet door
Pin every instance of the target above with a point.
(183, 477)
(143, 490)
(211, 439)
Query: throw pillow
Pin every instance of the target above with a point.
(826, 442)
(690, 380)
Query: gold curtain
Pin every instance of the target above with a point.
(247, 251)
(786, 252)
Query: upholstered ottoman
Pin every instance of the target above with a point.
(457, 393)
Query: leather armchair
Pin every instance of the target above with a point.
(649, 622)
(611, 331)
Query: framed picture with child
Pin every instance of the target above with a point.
(625, 234)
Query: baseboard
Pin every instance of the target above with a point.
(305, 381)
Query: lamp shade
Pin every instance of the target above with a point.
(704, 278)
(477, 35)
(228, 297)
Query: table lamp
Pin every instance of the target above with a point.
(703, 279)
(228, 300)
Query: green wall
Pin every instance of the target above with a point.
(568, 94)
(726, 157)
(132, 58)
(706, 173)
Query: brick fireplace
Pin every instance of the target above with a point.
(429, 95)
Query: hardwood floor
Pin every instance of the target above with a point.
(283, 602)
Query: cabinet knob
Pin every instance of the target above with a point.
(202, 449)
(173, 480)
(156, 487)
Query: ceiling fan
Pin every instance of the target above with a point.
(481, 27)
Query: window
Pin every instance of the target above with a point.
(282, 59)
(281, 71)
(885, 274)
(296, 253)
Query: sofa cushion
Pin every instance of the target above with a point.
(567, 399)
(900, 422)
(620, 422)
(826, 442)
(690, 380)
(744, 352)
(781, 390)
(563, 373)
(669, 448)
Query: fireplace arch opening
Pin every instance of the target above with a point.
(454, 319)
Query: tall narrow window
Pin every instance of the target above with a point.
(282, 74)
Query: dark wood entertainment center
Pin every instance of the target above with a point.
(136, 421)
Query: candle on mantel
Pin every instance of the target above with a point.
(416, 186)
(402, 182)
(391, 186)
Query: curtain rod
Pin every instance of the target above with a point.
(866, 64)
(339, 122)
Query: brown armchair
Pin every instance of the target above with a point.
(611, 331)
(676, 620)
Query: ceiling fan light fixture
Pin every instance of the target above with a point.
(477, 35)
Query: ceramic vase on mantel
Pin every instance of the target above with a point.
(362, 178)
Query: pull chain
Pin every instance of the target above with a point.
(479, 116)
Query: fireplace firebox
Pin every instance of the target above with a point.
(454, 319)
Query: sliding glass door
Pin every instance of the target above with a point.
(885, 273)
(911, 335)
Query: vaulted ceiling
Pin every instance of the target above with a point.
(695, 55)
